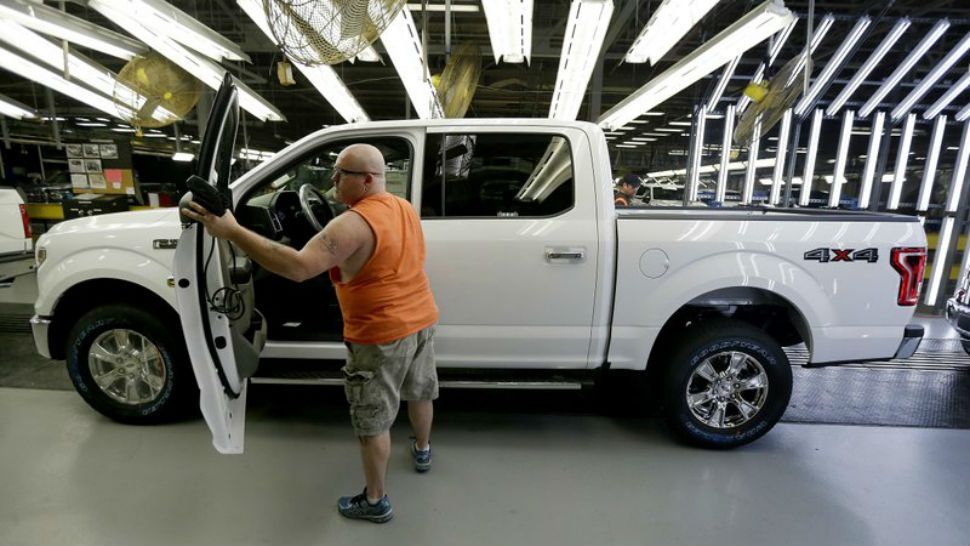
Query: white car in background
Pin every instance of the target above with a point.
(15, 235)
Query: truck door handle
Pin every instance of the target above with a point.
(565, 255)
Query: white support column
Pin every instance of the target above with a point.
(749, 173)
(698, 144)
(806, 190)
(835, 192)
(726, 140)
(902, 160)
(929, 171)
(872, 158)
(776, 179)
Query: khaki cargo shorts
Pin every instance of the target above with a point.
(378, 377)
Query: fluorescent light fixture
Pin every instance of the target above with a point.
(623, 146)
(929, 170)
(697, 146)
(803, 197)
(654, 114)
(778, 40)
(32, 71)
(915, 55)
(817, 37)
(509, 29)
(655, 134)
(78, 67)
(747, 191)
(455, 8)
(834, 64)
(166, 19)
(54, 22)
(780, 154)
(959, 170)
(205, 70)
(963, 115)
(902, 159)
(872, 157)
(255, 155)
(751, 29)
(14, 109)
(581, 45)
(841, 158)
(183, 156)
(642, 139)
(681, 123)
(91, 124)
(668, 130)
(154, 135)
(668, 24)
(926, 83)
(950, 94)
(726, 76)
(403, 45)
(323, 77)
(881, 50)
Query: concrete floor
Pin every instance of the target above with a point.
(501, 476)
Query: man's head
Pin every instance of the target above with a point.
(358, 172)
(629, 184)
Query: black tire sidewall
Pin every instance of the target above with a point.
(695, 348)
(171, 402)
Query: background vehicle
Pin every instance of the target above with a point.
(958, 310)
(15, 235)
(540, 281)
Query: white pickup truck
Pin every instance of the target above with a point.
(541, 282)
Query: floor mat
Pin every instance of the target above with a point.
(892, 397)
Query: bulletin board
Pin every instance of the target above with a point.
(101, 166)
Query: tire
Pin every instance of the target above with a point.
(763, 384)
(965, 343)
(141, 391)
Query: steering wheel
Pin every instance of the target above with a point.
(315, 207)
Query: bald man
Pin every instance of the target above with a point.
(374, 254)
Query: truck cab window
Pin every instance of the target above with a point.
(497, 175)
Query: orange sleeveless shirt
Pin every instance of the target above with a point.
(390, 298)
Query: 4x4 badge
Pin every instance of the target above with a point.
(825, 255)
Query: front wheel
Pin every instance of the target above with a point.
(726, 385)
(130, 365)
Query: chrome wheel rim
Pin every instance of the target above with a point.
(727, 390)
(127, 367)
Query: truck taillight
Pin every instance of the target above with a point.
(26, 220)
(909, 262)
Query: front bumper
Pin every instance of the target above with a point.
(40, 326)
(958, 315)
(912, 337)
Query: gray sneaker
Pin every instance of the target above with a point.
(422, 459)
(357, 507)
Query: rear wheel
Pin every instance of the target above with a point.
(726, 385)
(130, 365)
